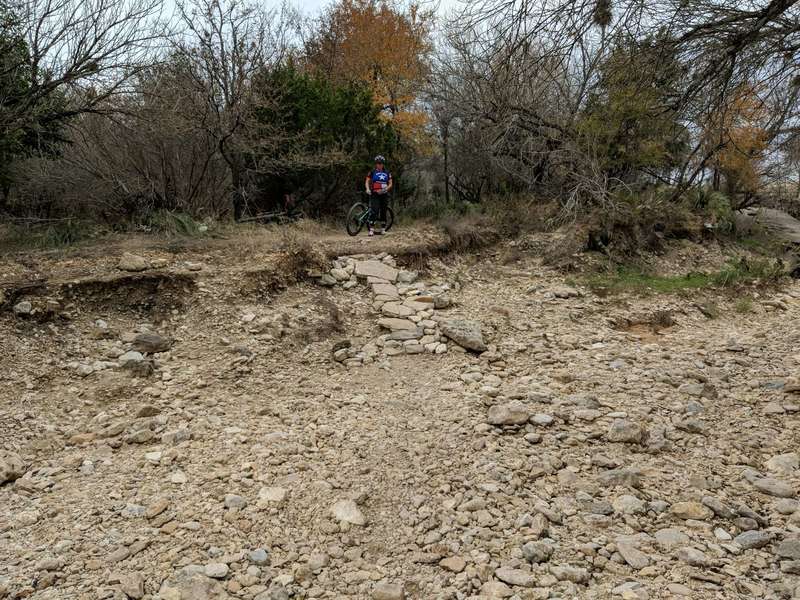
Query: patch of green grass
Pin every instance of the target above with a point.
(626, 279)
(743, 306)
(737, 272)
(53, 235)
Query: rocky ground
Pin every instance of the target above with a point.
(204, 440)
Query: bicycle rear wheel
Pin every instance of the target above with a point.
(355, 218)
(389, 219)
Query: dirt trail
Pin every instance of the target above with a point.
(577, 458)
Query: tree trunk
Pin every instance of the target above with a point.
(237, 195)
(798, 185)
(5, 192)
(446, 167)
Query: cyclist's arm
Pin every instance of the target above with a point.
(391, 184)
(367, 181)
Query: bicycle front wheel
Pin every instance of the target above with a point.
(355, 218)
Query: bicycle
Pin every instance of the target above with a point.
(288, 214)
(358, 215)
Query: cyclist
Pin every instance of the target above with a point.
(378, 184)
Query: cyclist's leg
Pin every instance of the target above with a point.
(374, 209)
(383, 204)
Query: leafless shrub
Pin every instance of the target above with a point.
(299, 256)
(468, 233)
(516, 79)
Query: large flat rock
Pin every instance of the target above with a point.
(395, 309)
(377, 269)
(385, 289)
(397, 324)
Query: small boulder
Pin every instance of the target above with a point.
(388, 591)
(691, 510)
(789, 548)
(347, 511)
(11, 467)
(774, 487)
(151, 343)
(23, 309)
(466, 334)
(132, 585)
(456, 564)
(537, 552)
(625, 431)
(191, 582)
(216, 570)
(749, 540)
(516, 577)
(132, 263)
(512, 413)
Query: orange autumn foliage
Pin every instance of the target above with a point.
(383, 45)
(737, 130)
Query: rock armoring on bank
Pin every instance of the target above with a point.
(410, 313)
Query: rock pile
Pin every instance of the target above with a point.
(133, 351)
(407, 308)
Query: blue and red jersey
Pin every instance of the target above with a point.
(379, 180)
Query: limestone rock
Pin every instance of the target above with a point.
(789, 548)
(388, 591)
(394, 324)
(495, 589)
(466, 334)
(513, 413)
(670, 538)
(190, 583)
(11, 467)
(774, 487)
(691, 510)
(272, 495)
(515, 577)
(132, 585)
(693, 557)
(133, 263)
(348, 512)
(456, 564)
(151, 343)
(23, 308)
(375, 268)
(216, 570)
(633, 556)
(753, 539)
(625, 431)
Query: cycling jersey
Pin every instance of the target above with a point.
(379, 180)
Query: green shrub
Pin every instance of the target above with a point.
(48, 236)
(175, 224)
(715, 207)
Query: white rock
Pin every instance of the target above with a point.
(272, 495)
(348, 512)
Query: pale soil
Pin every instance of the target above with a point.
(406, 437)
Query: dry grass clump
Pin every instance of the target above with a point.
(332, 322)
(299, 255)
(470, 232)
